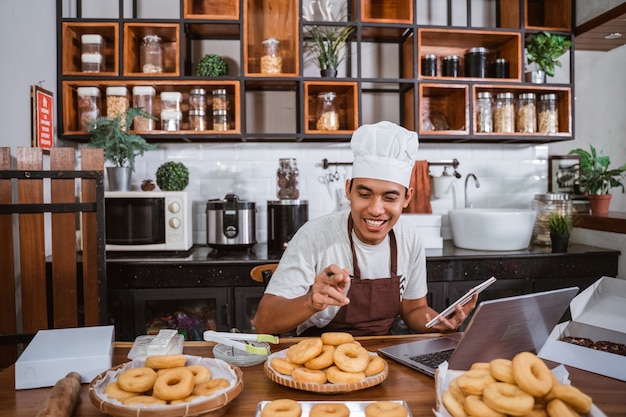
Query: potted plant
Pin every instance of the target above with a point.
(560, 226)
(212, 65)
(544, 49)
(596, 179)
(120, 145)
(326, 47)
(172, 176)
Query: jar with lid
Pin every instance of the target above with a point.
(170, 120)
(547, 114)
(500, 68)
(271, 61)
(484, 117)
(504, 113)
(197, 109)
(170, 100)
(142, 97)
(117, 102)
(220, 120)
(151, 54)
(220, 99)
(92, 48)
(545, 205)
(327, 116)
(287, 179)
(526, 119)
(429, 65)
(476, 62)
(88, 106)
(450, 66)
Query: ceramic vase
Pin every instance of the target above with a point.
(599, 204)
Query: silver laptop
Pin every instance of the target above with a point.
(499, 328)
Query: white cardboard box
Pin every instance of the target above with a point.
(52, 354)
(598, 314)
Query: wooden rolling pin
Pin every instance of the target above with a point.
(63, 398)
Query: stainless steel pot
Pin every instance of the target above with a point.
(231, 223)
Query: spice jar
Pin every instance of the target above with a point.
(142, 97)
(91, 58)
(526, 119)
(545, 205)
(197, 109)
(476, 62)
(450, 66)
(271, 61)
(220, 120)
(220, 100)
(117, 102)
(151, 54)
(287, 179)
(504, 113)
(500, 68)
(484, 117)
(327, 116)
(429, 65)
(88, 106)
(547, 114)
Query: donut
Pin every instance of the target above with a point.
(147, 400)
(475, 406)
(283, 366)
(456, 392)
(282, 408)
(453, 406)
(175, 384)
(165, 361)
(329, 410)
(572, 396)
(502, 370)
(184, 400)
(211, 386)
(306, 375)
(558, 408)
(323, 360)
(508, 399)
(537, 412)
(139, 379)
(531, 374)
(474, 381)
(385, 409)
(200, 373)
(375, 366)
(304, 350)
(480, 365)
(337, 376)
(336, 338)
(350, 358)
(114, 391)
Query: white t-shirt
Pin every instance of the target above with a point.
(324, 241)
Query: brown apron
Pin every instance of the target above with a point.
(374, 303)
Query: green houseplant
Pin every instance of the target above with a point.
(120, 145)
(326, 46)
(544, 49)
(212, 65)
(560, 226)
(172, 176)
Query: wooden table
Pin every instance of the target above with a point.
(402, 383)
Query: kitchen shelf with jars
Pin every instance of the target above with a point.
(431, 76)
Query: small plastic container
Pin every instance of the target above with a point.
(170, 120)
(151, 55)
(450, 66)
(92, 53)
(484, 116)
(548, 114)
(327, 115)
(526, 119)
(429, 65)
(476, 62)
(143, 97)
(88, 106)
(271, 61)
(504, 113)
(117, 102)
(171, 100)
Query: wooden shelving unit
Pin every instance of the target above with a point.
(382, 28)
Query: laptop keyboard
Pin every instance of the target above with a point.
(433, 359)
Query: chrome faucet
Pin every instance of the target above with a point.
(476, 184)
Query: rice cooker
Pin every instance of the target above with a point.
(231, 223)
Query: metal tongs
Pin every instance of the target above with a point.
(235, 340)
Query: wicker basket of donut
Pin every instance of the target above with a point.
(332, 363)
(167, 385)
(523, 386)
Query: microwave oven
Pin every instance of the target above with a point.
(148, 221)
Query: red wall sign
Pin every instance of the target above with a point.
(43, 117)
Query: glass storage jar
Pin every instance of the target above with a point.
(170, 100)
(526, 120)
(170, 120)
(484, 117)
(287, 179)
(88, 106)
(547, 114)
(476, 62)
(429, 65)
(327, 116)
(197, 109)
(117, 103)
(545, 205)
(151, 54)
(142, 97)
(271, 61)
(220, 99)
(450, 66)
(220, 120)
(504, 113)
(92, 53)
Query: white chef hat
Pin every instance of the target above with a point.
(384, 151)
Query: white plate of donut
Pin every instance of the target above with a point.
(355, 408)
(212, 403)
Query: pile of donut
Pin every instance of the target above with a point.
(523, 386)
(164, 379)
(291, 408)
(334, 357)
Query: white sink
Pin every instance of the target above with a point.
(492, 229)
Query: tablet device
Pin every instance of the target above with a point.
(461, 301)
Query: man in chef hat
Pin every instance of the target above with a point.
(358, 270)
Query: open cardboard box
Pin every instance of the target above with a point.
(52, 354)
(597, 314)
